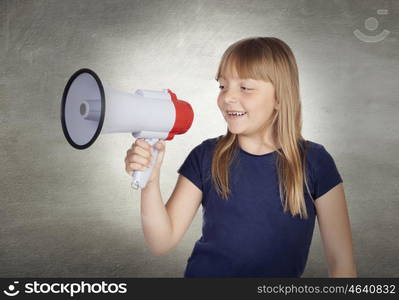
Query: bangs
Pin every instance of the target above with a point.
(246, 60)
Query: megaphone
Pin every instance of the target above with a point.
(89, 107)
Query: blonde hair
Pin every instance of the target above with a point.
(271, 60)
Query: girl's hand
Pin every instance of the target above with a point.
(139, 156)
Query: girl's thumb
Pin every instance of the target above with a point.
(160, 145)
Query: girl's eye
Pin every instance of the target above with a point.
(244, 88)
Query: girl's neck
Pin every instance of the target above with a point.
(257, 145)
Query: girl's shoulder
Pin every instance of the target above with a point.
(318, 157)
(312, 146)
(314, 149)
(209, 143)
(324, 173)
(205, 147)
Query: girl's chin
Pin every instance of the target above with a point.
(236, 129)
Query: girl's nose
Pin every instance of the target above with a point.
(230, 97)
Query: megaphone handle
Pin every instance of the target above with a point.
(140, 178)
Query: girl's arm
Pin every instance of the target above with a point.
(334, 225)
(164, 225)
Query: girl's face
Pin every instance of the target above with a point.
(254, 97)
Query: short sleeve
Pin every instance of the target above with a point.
(326, 174)
(191, 167)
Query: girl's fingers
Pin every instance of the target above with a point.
(140, 151)
(135, 158)
(142, 143)
(131, 167)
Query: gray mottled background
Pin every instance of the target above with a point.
(66, 212)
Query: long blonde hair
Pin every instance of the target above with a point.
(271, 60)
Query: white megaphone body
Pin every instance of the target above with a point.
(89, 107)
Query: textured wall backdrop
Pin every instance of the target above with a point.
(66, 212)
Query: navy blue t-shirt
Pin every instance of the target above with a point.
(249, 235)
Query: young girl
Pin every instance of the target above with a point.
(258, 205)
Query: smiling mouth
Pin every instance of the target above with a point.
(235, 116)
(236, 113)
